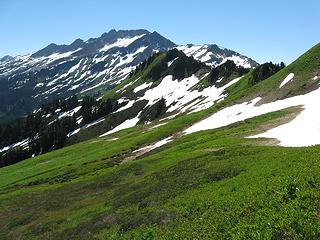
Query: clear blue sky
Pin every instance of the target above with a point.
(273, 30)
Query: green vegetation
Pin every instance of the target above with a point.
(45, 129)
(264, 71)
(304, 68)
(153, 112)
(156, 66)
(225, 72)
(212, 184)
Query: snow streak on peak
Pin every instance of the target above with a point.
(91, 66)
(214, 55)
(121, 42)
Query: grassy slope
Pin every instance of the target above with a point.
(142, 78)
(211, 184)
(304, 68)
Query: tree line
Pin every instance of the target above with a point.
(225, 71)
(46, 130)
(265, 71)
(182, 67)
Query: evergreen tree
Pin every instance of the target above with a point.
(264, 71)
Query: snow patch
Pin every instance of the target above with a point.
(69, 113)
(73, 132)
(112, 139)
(287, 79)
(56, 56)
(304, 130)
(39, 85)
(179, 96)
(127, 85)
(170, 63)
(93, 123)
(206, 57)
(121, 42)
(141, 87)
(158, 125)
(126, 124)
(23, 143)
(128, 105)
(154, 146)
(239, 61)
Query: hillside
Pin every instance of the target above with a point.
(192, 151)
(294, 86)
(166, 85)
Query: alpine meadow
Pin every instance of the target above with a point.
(133, 135)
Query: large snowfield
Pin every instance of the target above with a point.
(179, 96)
(304, 130)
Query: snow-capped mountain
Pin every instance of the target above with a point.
(90, 66)
(168, 85)
(213, 55)
(165, 85)
(171, 85)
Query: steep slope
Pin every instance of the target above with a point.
(81, 67)
(87, 67)
(152, 181)
(170, 84)
(294, 86)
(213, 55)
(166, 85)
(212, 184)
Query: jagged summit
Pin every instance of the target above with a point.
(6, 58)
(90, 67)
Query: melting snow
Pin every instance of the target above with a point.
(287, 79)
(112, 139)
(158, 125)
(141, 87)
(154, 146)
(93, 123)
(178, 95)
(202, 53)
(69, 113)
(23, 143)
(74, 132)
(170, 63)
(126, 124)
(239, 61)
(55, 56)
(304, 130)
(128, 105)
(189, 50)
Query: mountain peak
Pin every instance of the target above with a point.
(77, 41)
(97, 64)
(123, 33)
(6, 58)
